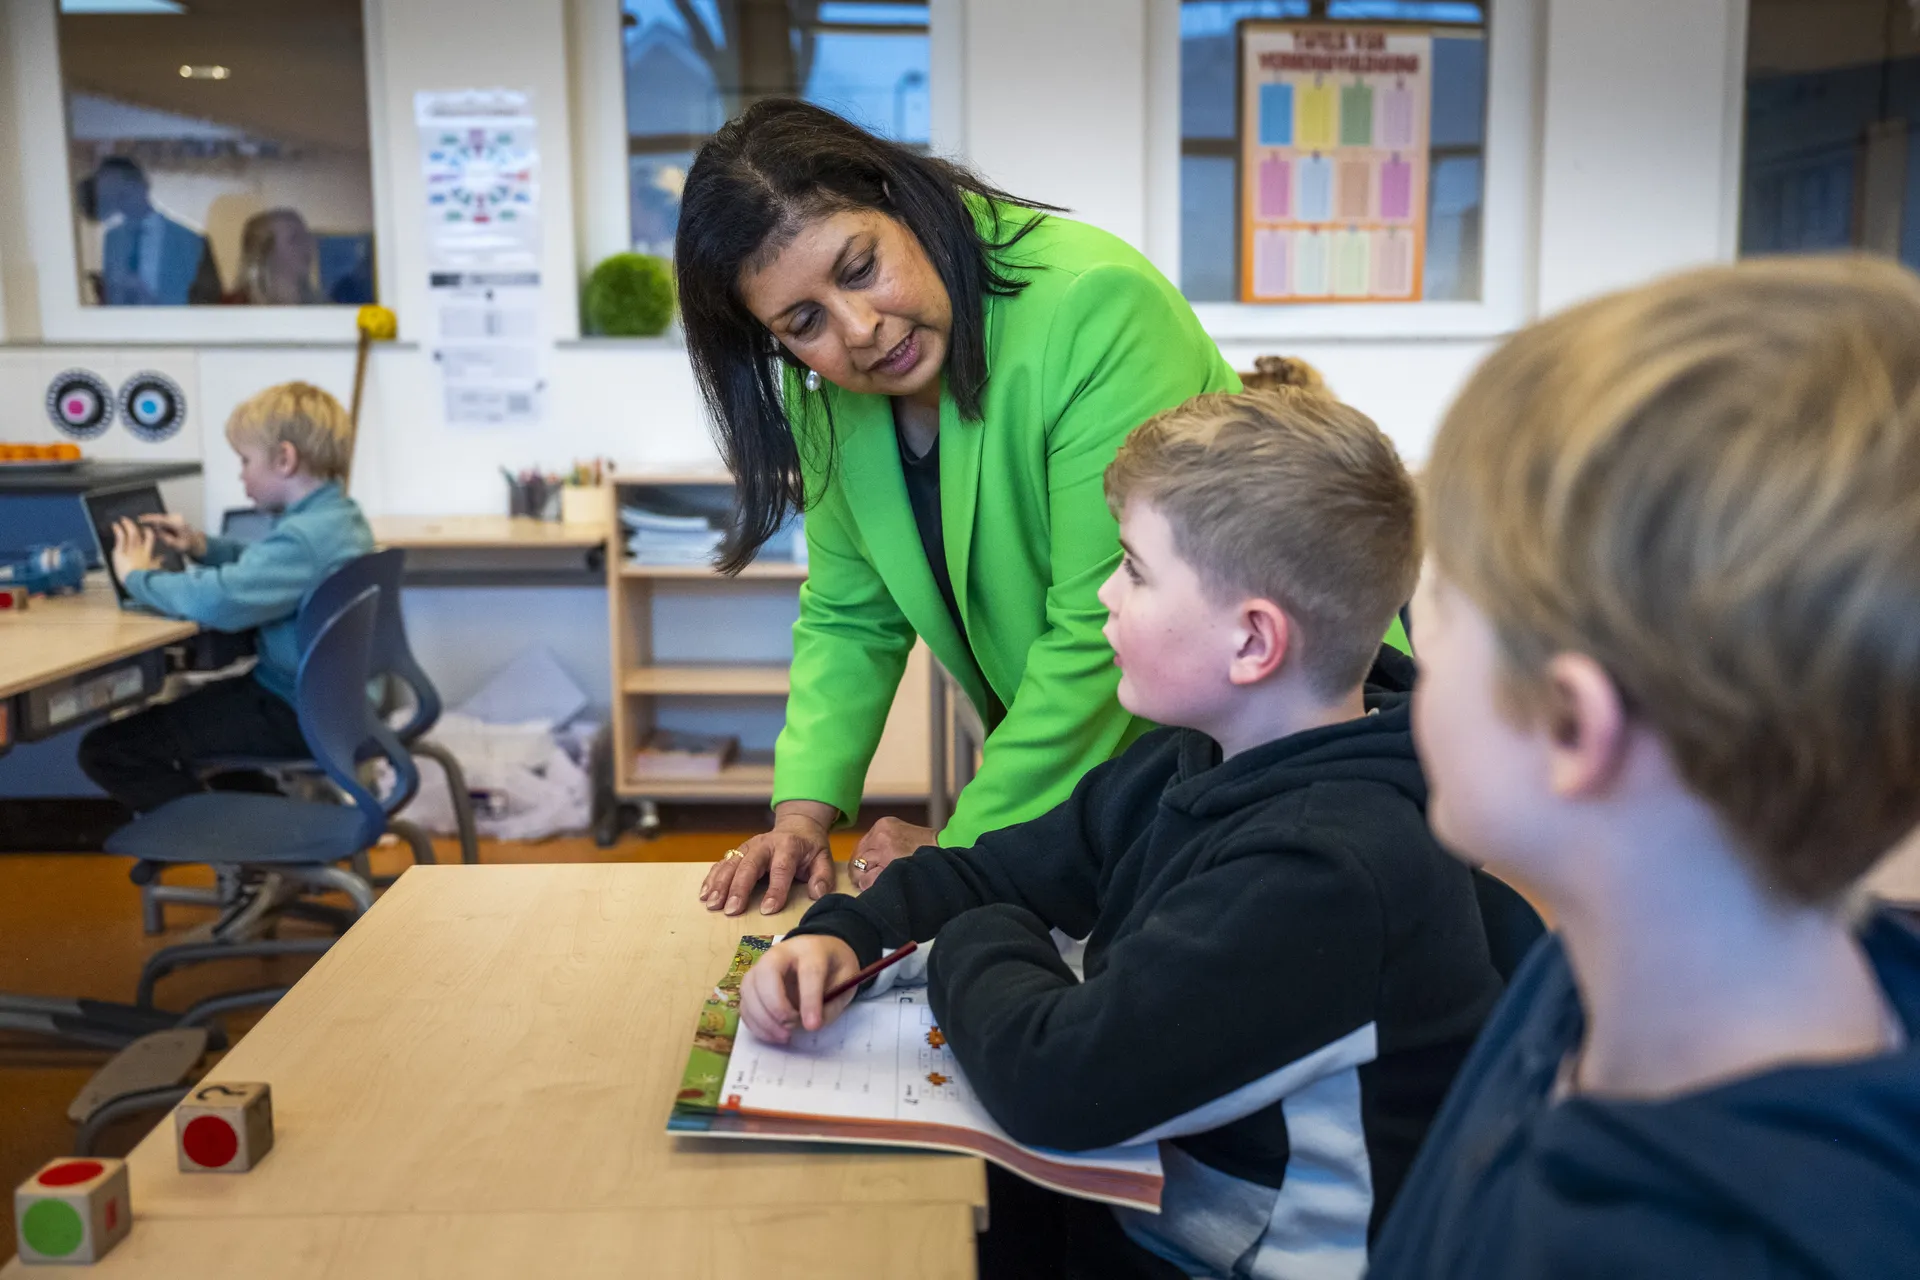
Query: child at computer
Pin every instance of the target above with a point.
(1282, 969)
(293, 441)
(1671, 681)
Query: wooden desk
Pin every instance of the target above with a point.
(60, 636)
(482, 533)
(475, 1082)
(495, 551)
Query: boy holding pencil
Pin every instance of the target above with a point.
(1672, 681)
(1282, 969)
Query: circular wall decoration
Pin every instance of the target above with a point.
(152, 405)
(80, 403)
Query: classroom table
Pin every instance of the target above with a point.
(59, 636)
(495, 551)
(475, 1081)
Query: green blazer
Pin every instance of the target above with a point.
(1096, 343)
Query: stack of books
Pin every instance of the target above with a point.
(668, 753)
(653, 538)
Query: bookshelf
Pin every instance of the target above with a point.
(641, 597)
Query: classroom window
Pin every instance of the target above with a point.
(219, 151)
(1217, 199)
(1833, 87)
(691, 65)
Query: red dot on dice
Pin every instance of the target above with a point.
(210, 1141)
(71, 1173)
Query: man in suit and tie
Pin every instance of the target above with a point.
(147, 258)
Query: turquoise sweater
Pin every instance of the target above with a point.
(238, 586)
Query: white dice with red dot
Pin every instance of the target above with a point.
(73, 1210)
(224, 1128)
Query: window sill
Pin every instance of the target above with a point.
(1232, 322)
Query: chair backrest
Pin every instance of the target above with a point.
(245, 524)
(392, 655)
(337, 718)
(1512, 925)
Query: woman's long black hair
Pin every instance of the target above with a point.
(753, 186)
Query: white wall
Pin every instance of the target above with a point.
(1633, 106)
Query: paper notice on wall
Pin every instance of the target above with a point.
(480, 164)
(1333, 162)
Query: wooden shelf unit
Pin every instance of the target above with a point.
(901, 768)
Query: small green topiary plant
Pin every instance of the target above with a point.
(629, 295)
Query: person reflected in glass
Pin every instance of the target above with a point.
(279, 262)
(147, 258)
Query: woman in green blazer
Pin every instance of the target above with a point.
(938, 374)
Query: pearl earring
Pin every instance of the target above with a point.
(813, 379)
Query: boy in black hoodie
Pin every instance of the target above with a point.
(1671, 680)
(1282, 969)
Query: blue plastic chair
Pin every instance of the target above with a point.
(300, 841)
(393, 658)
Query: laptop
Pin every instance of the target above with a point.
(105, 507)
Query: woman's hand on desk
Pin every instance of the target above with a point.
(174, 531)
(784, 992)
(795, 850)
(132, 549)
(889, 839)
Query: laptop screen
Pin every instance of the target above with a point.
(105, 508)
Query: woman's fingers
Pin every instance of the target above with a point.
(820, 883)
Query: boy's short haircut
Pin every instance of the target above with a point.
(1711, 485)
(1287, 494)
(304, 416)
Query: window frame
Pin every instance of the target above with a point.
(596, 69)
(51, 239)
(1509, 224)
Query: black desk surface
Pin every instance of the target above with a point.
(90, 475)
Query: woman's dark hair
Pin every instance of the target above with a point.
(754, 185)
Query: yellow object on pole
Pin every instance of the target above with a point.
(376, 324)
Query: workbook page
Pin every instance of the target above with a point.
(883, 1059)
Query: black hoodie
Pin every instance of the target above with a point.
(1283, 973)
(1800, 1172)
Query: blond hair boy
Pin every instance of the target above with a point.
(294, 441)
(1671, 655)
(1282, 968)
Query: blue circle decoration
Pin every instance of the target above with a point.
(152, 405)
(80, 404)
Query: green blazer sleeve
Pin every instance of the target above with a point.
(850, 647)
(1122, 346)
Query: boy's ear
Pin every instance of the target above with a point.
(1264, 638)
(286, 458)
(1584, 721)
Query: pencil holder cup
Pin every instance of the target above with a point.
(533, 497)
(586, 504)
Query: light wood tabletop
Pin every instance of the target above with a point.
(57, 636)
(475, 1081)
(482, 533)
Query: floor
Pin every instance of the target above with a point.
(70, 925)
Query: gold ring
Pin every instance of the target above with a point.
(733, 853)
(858, 864)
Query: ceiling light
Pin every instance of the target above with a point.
(214, 72)
(122, 6)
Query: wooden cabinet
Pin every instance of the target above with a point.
(640, 600)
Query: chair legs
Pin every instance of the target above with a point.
(457, 790)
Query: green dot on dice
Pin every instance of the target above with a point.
(53, 1228)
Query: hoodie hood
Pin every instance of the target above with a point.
(1824, 1160)
(1377, 748)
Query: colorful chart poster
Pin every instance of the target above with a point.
(480, 167)
(1333, 162)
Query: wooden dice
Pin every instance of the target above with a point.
(72, 1210)
(224, 1128)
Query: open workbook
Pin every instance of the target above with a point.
(880, 1074)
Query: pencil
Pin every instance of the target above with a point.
(842, 988)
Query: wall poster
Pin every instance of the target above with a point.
(1333, 127)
